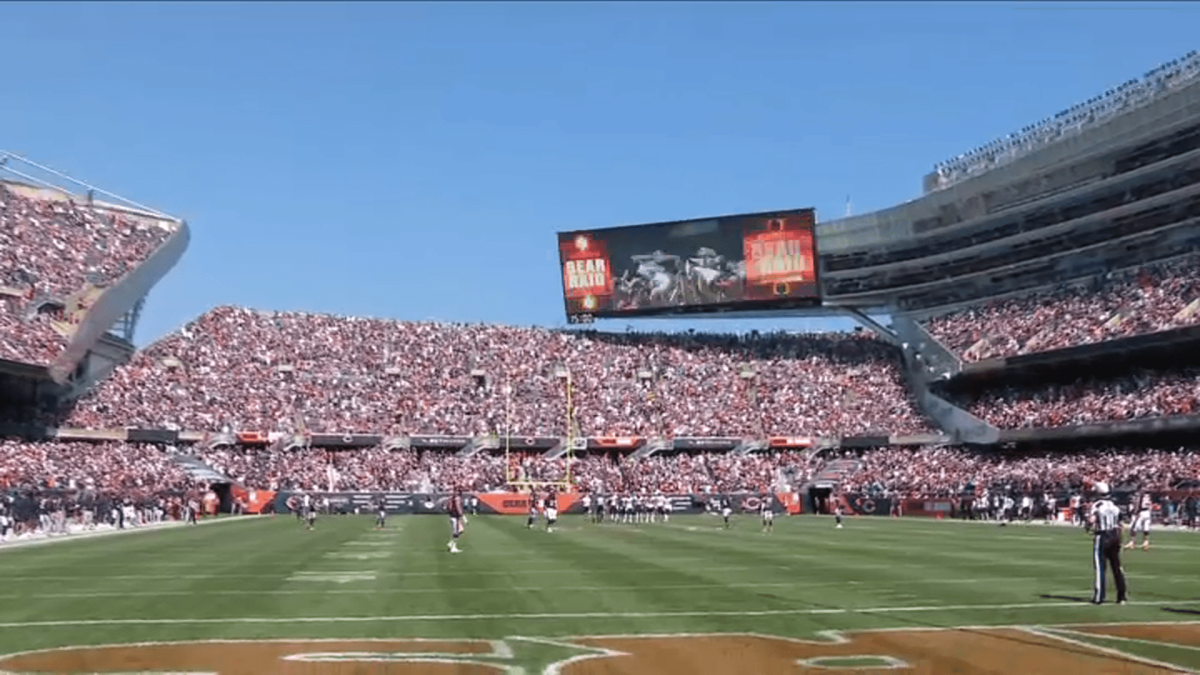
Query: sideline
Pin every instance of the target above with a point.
(563, 615)
(94, 534)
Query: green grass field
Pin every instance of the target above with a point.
(263, 578)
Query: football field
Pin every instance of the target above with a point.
(263, 595)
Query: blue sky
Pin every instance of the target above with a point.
(415, 160)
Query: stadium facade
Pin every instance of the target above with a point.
(1109, 184)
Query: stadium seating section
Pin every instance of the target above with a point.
(1154, 298)
(51, 249)
(407, 471)
(926, 472)
(107, 467)
(244, 370)
(950, 471)
(1143, 395)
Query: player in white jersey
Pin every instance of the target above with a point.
(1141, 522)
(768, 516)
(534, 506)
(309, 511)
(653, 269)
(551, 511)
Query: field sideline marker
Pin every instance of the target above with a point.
(96, 534)
(563, 615)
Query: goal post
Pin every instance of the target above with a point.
(572, 429)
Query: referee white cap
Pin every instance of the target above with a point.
(1101, 488)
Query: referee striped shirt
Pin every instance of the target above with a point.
(1105, 516)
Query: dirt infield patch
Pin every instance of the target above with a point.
(951, 651)
(965, 652)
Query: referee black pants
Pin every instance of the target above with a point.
(1106, 553)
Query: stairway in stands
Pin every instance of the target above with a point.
(199, 471)
(837, 470)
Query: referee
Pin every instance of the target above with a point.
(1105, 526)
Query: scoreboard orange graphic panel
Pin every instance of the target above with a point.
(587, 281)
(780, 258)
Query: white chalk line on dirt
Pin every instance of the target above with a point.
(1119, 638)
(1063, 637)
(564, 615)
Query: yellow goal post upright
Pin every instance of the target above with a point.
(520, 484)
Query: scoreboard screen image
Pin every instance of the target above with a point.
(752, 261)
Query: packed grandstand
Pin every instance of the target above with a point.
(988, 268)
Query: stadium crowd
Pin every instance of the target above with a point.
(54, 488)
(245, 370)
(1149, 299)
(51, 248)
(115, 467)
(411, 471)
(1145, 394)
(951, 471)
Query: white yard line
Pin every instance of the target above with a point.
(354, 575)
(216, 576)
(558, 616)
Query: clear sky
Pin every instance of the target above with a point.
(414, 160)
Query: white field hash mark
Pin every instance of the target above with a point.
(365, 555)
(562, 615)
(333, 577)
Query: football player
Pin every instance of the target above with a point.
(454, 508)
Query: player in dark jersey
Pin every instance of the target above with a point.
(454, 508)
(380, 514)
(767, 509)
(726, 510)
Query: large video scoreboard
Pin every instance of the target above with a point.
(752, 261)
